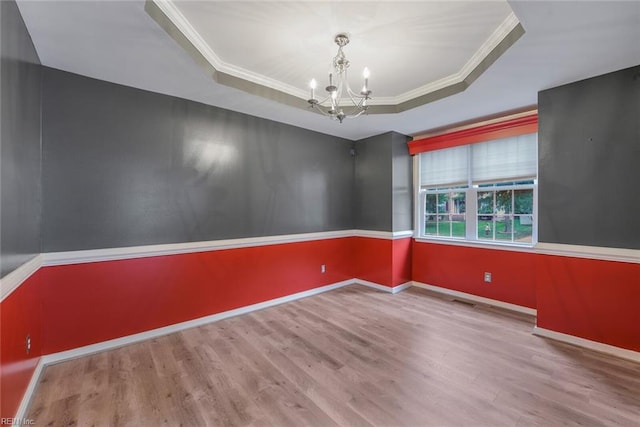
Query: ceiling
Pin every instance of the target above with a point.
(409, 47)
(419, 51)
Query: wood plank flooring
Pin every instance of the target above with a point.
(349, 357)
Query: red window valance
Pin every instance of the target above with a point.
(486, 132)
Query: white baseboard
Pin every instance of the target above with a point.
(87, 350)
(28, 394)
(62, 356)
(50, 359)
(53, 358)
(402, 287)
(622, 353)
(154, 333)
(478, 299)
(389, 289)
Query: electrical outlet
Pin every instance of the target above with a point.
(28, 344)
(323, 268)
(487, 277)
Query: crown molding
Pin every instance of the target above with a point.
(484, 53)
(169, 17)
(184, 26)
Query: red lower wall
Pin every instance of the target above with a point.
(592, 299)
(20, 315)
(462, 268)
(588, 298)
(401, 261)
(70, 306)
(94, 302)
(372, 260)
(382, 261)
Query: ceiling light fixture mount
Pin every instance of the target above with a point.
(334, 105)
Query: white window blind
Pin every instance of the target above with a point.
(505, 159)
(446, 167)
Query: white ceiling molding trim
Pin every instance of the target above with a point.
(507, 27)
(172, 20)
(182, 23)
(166, 15)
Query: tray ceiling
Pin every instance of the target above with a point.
(119, 42)
(417, 52)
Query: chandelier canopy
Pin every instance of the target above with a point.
(334, 105)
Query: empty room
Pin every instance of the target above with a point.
(319, 213)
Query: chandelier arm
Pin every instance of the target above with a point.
(322, 111)
(355, 112)
(341, 97)
(356, 98)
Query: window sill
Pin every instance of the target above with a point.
(506, 246)
(556, 249)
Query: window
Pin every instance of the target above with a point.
(485, 191)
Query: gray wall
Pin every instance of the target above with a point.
(402, 184)
(125, 167)
(589, 162)
(373, 179)
(20, 156)
(383, 182)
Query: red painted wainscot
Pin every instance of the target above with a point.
(20, 314)
(94, 302)
(592, 299)
(382, 261)
(462, 268)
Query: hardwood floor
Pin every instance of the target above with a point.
(350, 357)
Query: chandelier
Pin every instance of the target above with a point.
(334, 106)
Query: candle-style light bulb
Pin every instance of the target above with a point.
(365, 74)
(312, 85)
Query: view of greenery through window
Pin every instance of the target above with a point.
(484, 191)
(505, 215)
(504, 212)
(445, 214)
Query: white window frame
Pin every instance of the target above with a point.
(471, 209)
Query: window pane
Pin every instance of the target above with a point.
(485, 202)
(430, 203)
(485, 227)
(445, 214)
(503, 202)
(458, 203)
(444, 226)
(504, 227)
(458, 226)
(443, 203)
(430, 225)
(523, 201)
(523, 229)
(458, 217)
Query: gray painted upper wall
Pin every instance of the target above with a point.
(125, 167)
(589, 162)
(372, 204)
(383, 183)
(20, 155)
(402, 185)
